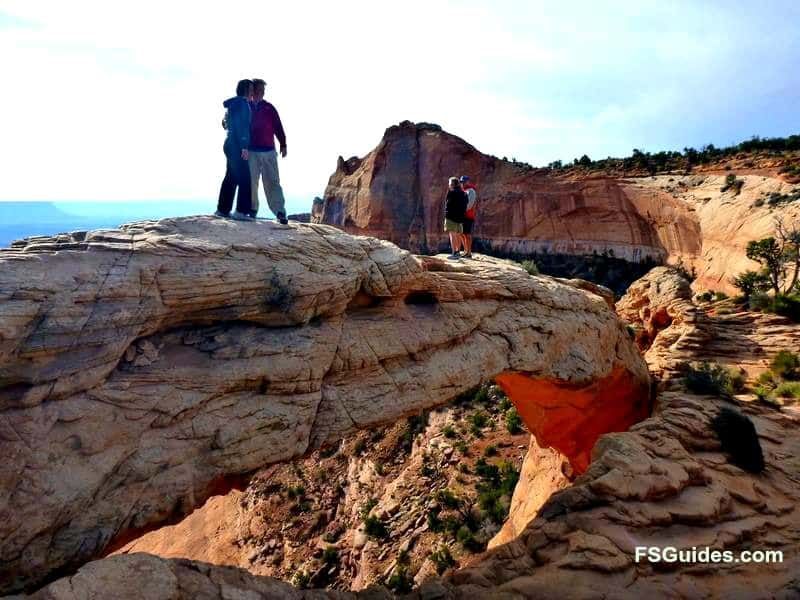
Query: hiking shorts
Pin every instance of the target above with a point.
(450, 225)
(468, 224)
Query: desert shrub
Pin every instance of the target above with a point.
(278, 294)
(767, 380)
(530, 267)
(762, 393)
(478, 420)
(749, 282)
(400, 582)
(415, 425)
(713, 379)
(296, 491)
(720, 296)
(375, 528)
(504, 404)
(482, 395)
(466, 538)
(731, 183)
(787, 306)
(788, 389)
(359, 446)
(330, 556)
(300, 579)
(448, 499)
(462, 447)
(760, 301)
(449, 432)
(442, 559)
(683, 271)
(786, 364)
(494, 494)
(705, 296)
(513, 421)
(367, 507)
(490, 450)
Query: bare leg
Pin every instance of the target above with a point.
(455, 239)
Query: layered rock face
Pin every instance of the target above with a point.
(396, 192)
(671, 329)
(141, 369)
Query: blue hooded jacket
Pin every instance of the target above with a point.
(237, 117)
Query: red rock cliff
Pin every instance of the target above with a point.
(396, 192)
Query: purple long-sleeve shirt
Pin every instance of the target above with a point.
(265, 126)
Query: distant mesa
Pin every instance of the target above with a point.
(396, 193)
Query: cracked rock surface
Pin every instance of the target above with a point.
(144, 367)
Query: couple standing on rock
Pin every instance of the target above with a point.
(252, 124)
(459, 215)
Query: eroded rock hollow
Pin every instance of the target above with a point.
(141, 369)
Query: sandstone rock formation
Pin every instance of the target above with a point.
(141, 369)
(143, 576)
(396, 193)
(671, 329)
(664, 483)
(291, 513)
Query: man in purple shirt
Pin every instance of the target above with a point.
(264, 128)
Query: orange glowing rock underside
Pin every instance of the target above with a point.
(571, 417)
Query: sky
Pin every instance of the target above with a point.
(116, 101)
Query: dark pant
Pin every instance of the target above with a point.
(468, 224)
(237, 175)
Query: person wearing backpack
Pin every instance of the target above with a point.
(455, 205)
(469, 214)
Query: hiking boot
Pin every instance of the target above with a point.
(236, 215)
(222, 215)
(282, 218)
(454, 256)
(254, 215)
(468, 255)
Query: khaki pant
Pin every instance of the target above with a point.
(265, 165)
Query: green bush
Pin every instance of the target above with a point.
(478, 420)
(296, 491)
(442, 559)
(713, 379)
(467, 539)
(513, 421)
(330, 556)
(767, 380)
(448, 499)
(449, 432)
(787, 306)
(400, 582)
(530, 267)
(720, 296)
(375, 528)
(788, 389)
(786, 364)
(300, 579)
(504, 404)
(490, 450)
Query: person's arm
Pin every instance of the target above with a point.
(279, 132)
(240, 119)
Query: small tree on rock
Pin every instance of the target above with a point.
(780, 257)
